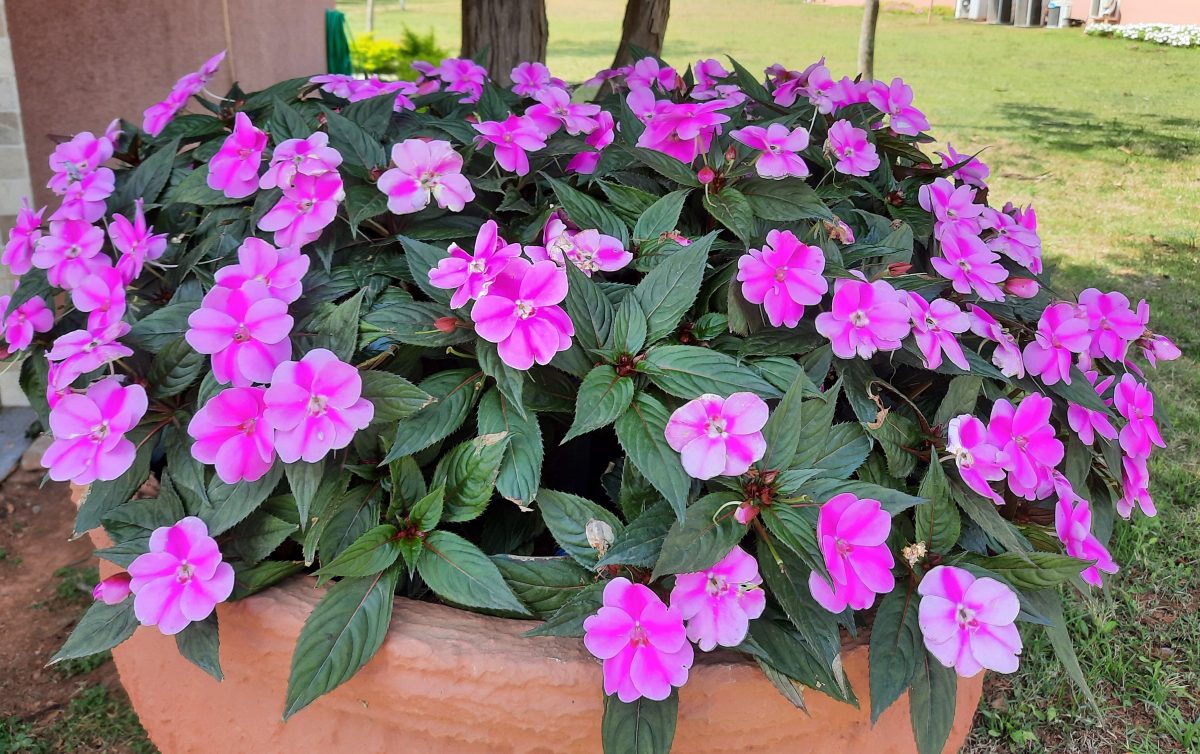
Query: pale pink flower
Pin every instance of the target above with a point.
(102, 293)
(136, 241)
(1073, 524)
(232, 435)
(1061, 333)
(281, 270)
(935, 325)
(521, 314)
(895, 100)
(89, 432)
(1013, 240)
(312, 156)
(23, 239)
(181, 579)
(513, 138)
(707, 74)
(684, 130)
(425, 170)
(338, 84)
(245, 330)
(233, 170)
(530, 79)
(642, 642)
(113, 590)
(853, 152)
(69, 252)
(1028, 443)
(470, 275)
(784, 276)
(23, 322)
(717, 436)
(315, 405)
(970, 266)
(81, 351)
(1135, 403)
(968, 623)
(464, 76)
(601, 137)
(846, 91)
(555, 110)
(1007, 355)
(971, 170)
(1086, 422)
(953, 209)
(852, 534)
(1113, 324)
(719, 602)
(778, 147)
(1154, 347)
(978, 460)
(305, 209)
(818, 86)
(865, 318)
(1135, 487)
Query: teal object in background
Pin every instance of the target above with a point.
(337, 43)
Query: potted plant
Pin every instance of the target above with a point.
(669, 363)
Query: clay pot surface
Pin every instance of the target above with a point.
(448, 680)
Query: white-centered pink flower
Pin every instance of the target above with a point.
(717, 436)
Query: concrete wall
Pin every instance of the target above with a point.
(1147, 11)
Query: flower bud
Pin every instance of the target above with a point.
(113, 590)
(745, 513)
(706, 175)
(730, 154)
(599, 535)
(898, 268)
(446, 324)
(1021, 287)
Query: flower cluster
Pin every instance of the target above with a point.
(1174, 35)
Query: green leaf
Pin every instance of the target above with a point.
(1032, 570)
(629, 327)
(750, 85)
(661, 217)
(455, 392)
(176, 367)
(101, 628)
(339, 330)
(422, 258)
(602, 398)
(705, 535)
(641, 542)
(961, 394)
(304, 479)
(785, 650)
(510, 382)
(341, 634)
(627, 203)
(248, 580)
(588, 213)
(590, 310)
(640, 431)
(459, 572)
(393, 397)
(103, 497)
(788, 200)
(784, 426)
(1049, 604)
(371, 553)
(643, 726)
(932, 701)
(789, 689)
(287, 123)
(467, 475)
(896, 649)
(567, 517)
(689, 371)
(938, 523)
(731, 208)
(200, 644)
(568, 620)
(230, 503)
(161, 327)
(521, 469)
(258, 536)
(983, 512)
(670, 289)
(374, 114)
(364, 202)
(544, 585)
(787, 581)
(664, 165)
(843, 449)
(357, 146)
(797, 530)
(894, 501)
(896, 434)
(426, 513)
(147, 180)
(414, 323)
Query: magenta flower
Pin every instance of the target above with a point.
(719, 602)
(305, 209)
(1007, 355)
(1113, 324)
(855, 154)
(1073, 524)
(684, 130)
(708, 73)
(778, 147)
(717, 436)
(315, 405)
(846, 91)
(1154, 347)
(181, 579)
(69, 252)
(978, 460)
(1135, 487)
(530, 79)
(23, 239)
(645, 73)
(592, 250)
(81, 351)
(520, 313)
(425, 170)
(514, 137)
(1061, 334)
(463, 76)
(245, 330)
(311, 156)
(819, 88)
(865, 318)
(1088, 423)
(935, 325)
(85, 199)
(895, 100)
(470, 276)
(113, 590)
(601, 137)
(642, 642)
(968, 622)
(1029, 446)
(784, 276)
(233, 170)
(1022, 287)
(555, 110)
(157, 116)
(952, 208)
(1013, 240)
(280, 270)
(971, 170)
(970, 266)
(22, 323)
(852, 534)
(89, 432)
(74, 160)
(136, 241)
(232, 435)
(1135, 403)
(101, 293)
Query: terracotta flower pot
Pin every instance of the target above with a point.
(447, 680)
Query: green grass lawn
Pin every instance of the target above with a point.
(1103, 136)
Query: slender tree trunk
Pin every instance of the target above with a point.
(866, 40)
(645, 26)
(370, 16)
(512, 32)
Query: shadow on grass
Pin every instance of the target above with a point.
(1079, 131)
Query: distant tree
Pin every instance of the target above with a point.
(645, 26)
(866, 40)
(511, 31)
(370, 16)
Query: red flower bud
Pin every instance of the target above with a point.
(706, 175)
(898, 268)
(446, 324)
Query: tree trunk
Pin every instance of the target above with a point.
(370, 16)
(512, 32)
(866, 40)
(645, 26)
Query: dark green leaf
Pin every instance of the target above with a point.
(670, 289)
(588, 213)
(175, 369)
(103, 497)
(459, 572)
(161, 327)
(521, 469)
(455, 392)
(230, 503)
(567, 517)
(629, 327)
(788, 200)
(568, 620)
(467, 475)
(602, 398)
(641, 542)
(357, 146)
(287, 123)
(200, 644)
(639, 727)
(393, 397)
(731, 209)
(661, 217)
(371, 553)
(937, 522)
(690, 371)
(932, 700)
(640, 431)
(510, 382)
(101, 628)
(303, 480)
(843, 449)
(590, 310)
(705, 535)
(896, 649)
(784, 427)
(1032, 570)
(421, 259)
(544, 585)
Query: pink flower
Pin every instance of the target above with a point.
(684, 130)
(233, 170)
(470, 276)
(31, 317)
(952, 208)
(719, 602)
(1154, 347)
(246, 331)
(642, 642)
(311, 156)
(601, 137)
(846, 91)
(83, 351)
(971, 170)
(181, 579)
(592, 250)
(76, 159)
(514, 137)
(935, 325)
(970, 266)
(520, 313)
(1135, 487)
(69, 252)
(1113, 324)
(23, 239)
(646, 72)
(854, 153)
(1007, 355)
(1088, 423)
(1022, 287)
(1073, 524)
(1029, 446)
(464, 76)
(819, 88)
(305, 209)
(113, 590)
(338, 84)
(1061, 334)
(280, 270)
(778, 147)
(136, 241)
(717, 436)
(896, 100)
(157, 116)
(968, 622)
(89, 432)
(979, 461)
(425, 170)
(555, 110)
(707, 72)
(1013, 240)
(315, 405)
(103, 294)
(784, 276)
(1135, 403)
(865, 318)
(85, 199)
(530, 79)
(852, 534)
(232, 435)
